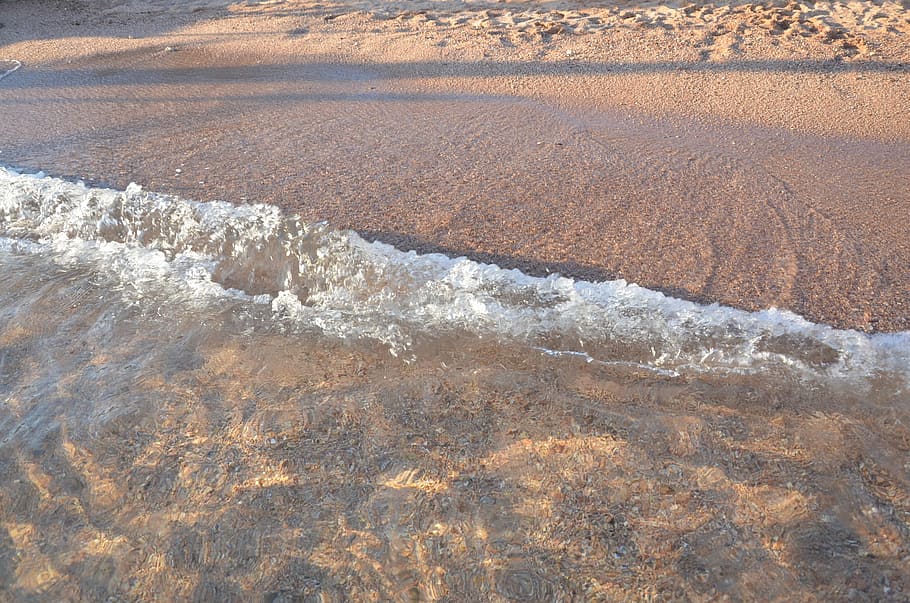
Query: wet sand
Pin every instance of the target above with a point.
(774, 174)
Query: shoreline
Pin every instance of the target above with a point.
(603, 154)
(216, 402)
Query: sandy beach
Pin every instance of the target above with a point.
(258, 440)
(752, 155)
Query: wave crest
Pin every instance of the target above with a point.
(317, 276)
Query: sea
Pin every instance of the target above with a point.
(210, 400)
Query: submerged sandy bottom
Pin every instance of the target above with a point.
(159, 448)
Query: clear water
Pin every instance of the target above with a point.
(212, 401)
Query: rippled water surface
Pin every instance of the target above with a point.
(214, 402)
(493, 160)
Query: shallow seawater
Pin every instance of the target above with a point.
(216, 402)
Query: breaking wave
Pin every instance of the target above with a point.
(311, 276)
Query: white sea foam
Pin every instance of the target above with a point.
(315, 276)
(14, 66)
